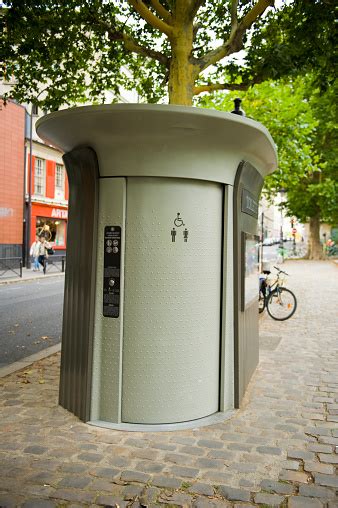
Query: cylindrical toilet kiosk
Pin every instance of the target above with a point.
(160, 325)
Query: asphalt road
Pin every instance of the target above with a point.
(30, 317)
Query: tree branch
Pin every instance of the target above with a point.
(234, 19)
(162, 11)
(131, 45)
(150, 18)
(235, 41)
(220, 86)
(196, 4)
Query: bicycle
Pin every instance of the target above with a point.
(279, 301)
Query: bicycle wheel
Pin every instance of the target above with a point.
(261, 303)
(281, 304)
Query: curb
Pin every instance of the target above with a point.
(22, 364)
(29, 279)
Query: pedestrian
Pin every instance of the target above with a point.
(34, 253)
(43, 252)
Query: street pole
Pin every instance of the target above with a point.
(262, 240)
(281, 245)
(29, 204)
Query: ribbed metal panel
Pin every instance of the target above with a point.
(78, 309)
(246, 342)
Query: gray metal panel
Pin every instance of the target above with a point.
(77, 330)
(167, 141)
(172, 301)
(227, 332)
(245, 322)
(108, 332)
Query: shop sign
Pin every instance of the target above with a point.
(59, 214)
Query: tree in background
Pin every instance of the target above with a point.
(63, 52)
(302, 121)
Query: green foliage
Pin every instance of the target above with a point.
(302, 123)
(64, 52)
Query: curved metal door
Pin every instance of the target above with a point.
(172, 301)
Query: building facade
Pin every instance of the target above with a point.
(12, 181)
(48, 196)
(33, 186)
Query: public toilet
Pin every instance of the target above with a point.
(160, 324)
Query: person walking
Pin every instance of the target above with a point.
(43, 253)
(34, 253)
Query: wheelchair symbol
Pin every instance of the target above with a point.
(178, 221)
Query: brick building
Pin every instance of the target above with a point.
(12, 164)
(33, 185)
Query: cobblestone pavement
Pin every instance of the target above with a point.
(280, 449)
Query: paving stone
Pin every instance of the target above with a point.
(164, 446)
(277, 487)
(150, 467)
(326, 480)
(36, 450)
(316, 491)
(208, 443)
(240, 447)
(206, 463)
(268, 499)
(131, 491)
(208, 503)
(177, 499)
(139, 443)
(38, 503)
(74, 468)
(270, 450)
(90, 457)
(105, 472)
(149, 496)
(110, 501)
(320, 448)
(331, 458)
(233, 494)
(201, 488)
(76, 482)
(318, 467)
(294, 476)
(135, 476)
(304, 502)
(177, 458)
(185, 472)
(166, 482)
(73, 495)
(293, 465)
(332, 504)
(192, 450)
(301, 454)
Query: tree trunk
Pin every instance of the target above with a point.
(315, 247)
(183, 72)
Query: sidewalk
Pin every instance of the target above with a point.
(27, 274)
(280, 449)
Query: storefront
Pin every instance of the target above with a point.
(51, 221)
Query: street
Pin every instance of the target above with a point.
(31, 317)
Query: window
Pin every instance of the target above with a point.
(60, 181)
(35, 109)
(39, 177)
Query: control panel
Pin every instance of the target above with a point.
(111, 273)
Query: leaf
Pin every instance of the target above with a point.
(28, 372)
(41, 381)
